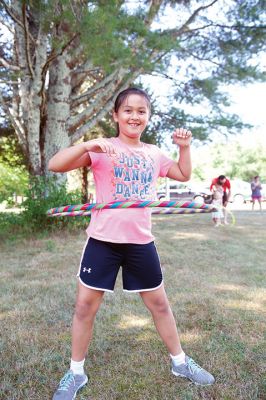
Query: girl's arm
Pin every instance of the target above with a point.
(70, 158)
(181, 171)
(77, 156)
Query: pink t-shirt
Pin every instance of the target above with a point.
(131, 175)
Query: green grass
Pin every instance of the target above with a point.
(215, 280)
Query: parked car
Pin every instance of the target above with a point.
(240, 191)
(185, 191)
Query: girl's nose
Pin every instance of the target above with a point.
(134, 115)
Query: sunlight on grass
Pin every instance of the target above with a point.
(254, 300)
(8, 314)
(191, 337)
(246, 305)
(229, 287)
(133, 321)
(189, 235)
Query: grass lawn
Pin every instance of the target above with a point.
(215, 280)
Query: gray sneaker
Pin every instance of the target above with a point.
(69, 386)
(193, 371)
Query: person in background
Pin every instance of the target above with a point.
(226, 185)
(218, 216)
(256, 191)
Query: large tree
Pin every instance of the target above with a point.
(62, 63)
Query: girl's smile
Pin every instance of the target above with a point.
(132, 118)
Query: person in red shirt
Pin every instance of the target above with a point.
(226, 185)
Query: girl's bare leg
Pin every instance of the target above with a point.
(157, 303)
(87, 304)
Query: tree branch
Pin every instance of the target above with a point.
(10, 82)
(16, 124)
(164, 75)
(54, 55)
(79, 99)
(93, 74)
(153, 10)
(77, 120)
(178, 32)
(232, 27)
(239, 26)
(7, 65)
(108, 106)
(85, 68)
(26, 34)
(201, 58)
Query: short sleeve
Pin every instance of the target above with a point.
(94, 158)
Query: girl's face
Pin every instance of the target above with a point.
(132, 117)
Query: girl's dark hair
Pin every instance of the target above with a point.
(127, 92)
(122, 96)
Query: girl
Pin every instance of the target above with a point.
(218, 216)
(124, 168)
(256, 191)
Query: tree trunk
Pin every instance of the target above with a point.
(27, 106)
(84, 184)
(58, 109)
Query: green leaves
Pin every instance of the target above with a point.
(200, 47)
(13, 173)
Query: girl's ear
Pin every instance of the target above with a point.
(115, 116)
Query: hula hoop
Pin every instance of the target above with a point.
(154, 212)
(179, 207)
(233, 218)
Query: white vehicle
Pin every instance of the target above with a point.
(240, 191)
(188, 191)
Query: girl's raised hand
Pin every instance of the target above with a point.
(100, 146)
(182, 137)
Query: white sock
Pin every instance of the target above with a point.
(77, 367)
(179, 358)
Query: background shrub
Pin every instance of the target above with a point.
(43, 194)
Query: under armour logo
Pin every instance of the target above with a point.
(87, 270)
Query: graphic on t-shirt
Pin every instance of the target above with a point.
(133, 177)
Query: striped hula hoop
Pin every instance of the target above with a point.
(179, 207)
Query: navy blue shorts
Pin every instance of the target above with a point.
(101, 261)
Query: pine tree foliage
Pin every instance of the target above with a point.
(62, 63)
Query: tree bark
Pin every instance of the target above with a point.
(58, 107)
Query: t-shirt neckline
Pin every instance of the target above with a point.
(130, 146)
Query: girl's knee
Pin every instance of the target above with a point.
(85, 309)
(159, 306)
